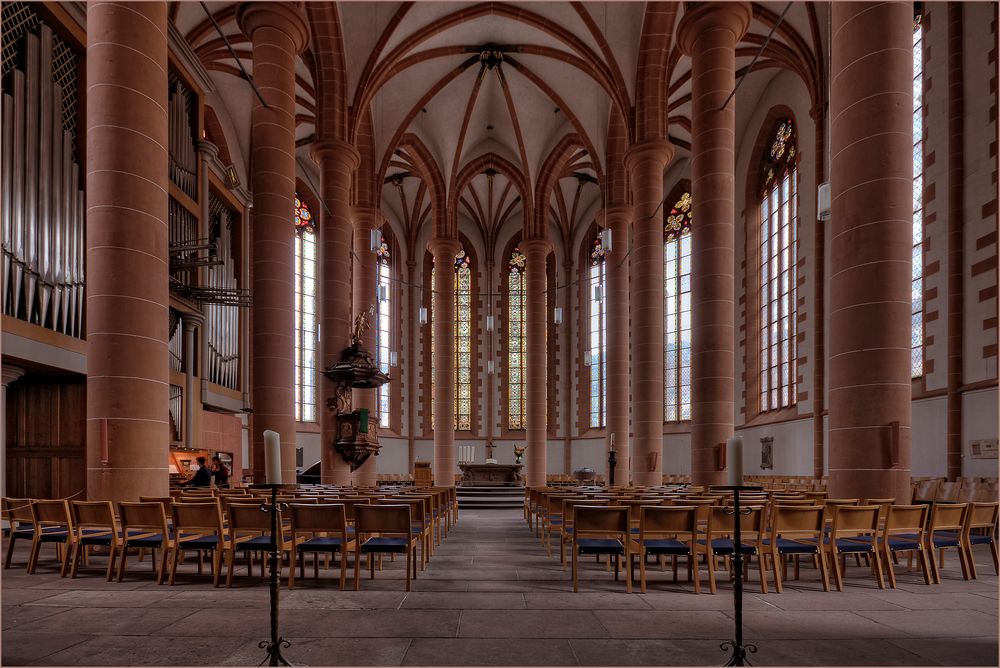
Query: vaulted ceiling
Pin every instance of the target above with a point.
(510, 101)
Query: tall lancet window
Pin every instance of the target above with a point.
(463, 342)
(305, 313)
(596, 352)
(677, 312)
(917, 287)
(383, 344)
(515, 340)
(777, 257)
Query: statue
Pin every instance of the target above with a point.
(361, 325)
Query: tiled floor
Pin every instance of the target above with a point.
(491, 597)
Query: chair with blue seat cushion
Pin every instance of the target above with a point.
(601, 530)
(318, 529)
(248, 530)
(198, 526)
(144, 526)
(795, 530)
(385, 529)
(719, 534)
(564, 529)
(981, 529)
(52, 524)
(946, 528)
(668, 531)
(903, 531)
(854, 531)
(95, 525)
(17, 512)
(420, 524)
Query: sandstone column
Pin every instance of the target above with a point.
(444, 252)
(278, 32)
(536, 384)
(365, 286)
(709, 35)
(871, 108)
(128, 428)
(336, 160)
(618, 220)
(645, 162)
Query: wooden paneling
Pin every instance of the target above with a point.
(46, 441)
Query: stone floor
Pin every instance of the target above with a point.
(491, 597)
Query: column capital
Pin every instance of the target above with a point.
(11, 373)
(192, 319)
(287, 17)
(334, 149)
(535, 247)
(444, 247)
(207, 148)
(650, 150)
(734, 16)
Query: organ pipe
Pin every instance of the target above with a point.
(42, 203)
(222, 320)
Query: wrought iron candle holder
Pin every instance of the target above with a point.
(738, 647)
(274, 645)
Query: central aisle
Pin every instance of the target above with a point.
(491, 597)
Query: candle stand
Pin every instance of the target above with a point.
(274, 645)
(612, 463)
(739, 649)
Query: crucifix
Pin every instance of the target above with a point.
(489, 449)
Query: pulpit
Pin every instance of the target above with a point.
(491, 474)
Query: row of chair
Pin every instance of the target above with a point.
(793, 526)
(230, 524)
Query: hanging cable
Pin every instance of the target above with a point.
(757, 55)
(246, 75)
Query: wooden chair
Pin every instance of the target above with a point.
(17, 512)
(855, 531)
(249, 532)
(94, 523)
(903, 531)
(601, 530)
(52, 524)
(668, 531)
(719, 535)
(198, 526)
(419, 524)
(564, 530)
(392, 523)
(946, 528)
(144, 525)
(981, 528)
(318, 529)
(796, 530)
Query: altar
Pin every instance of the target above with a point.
(491, 474)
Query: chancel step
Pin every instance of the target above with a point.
(492, 496)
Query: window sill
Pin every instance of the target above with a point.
(788, 414)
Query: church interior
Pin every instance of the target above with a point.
(482, 333)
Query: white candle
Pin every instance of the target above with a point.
(272, 457)
(734, 457)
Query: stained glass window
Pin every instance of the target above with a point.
(677, 312)
(463, 342)
(917, 287)
(598, 328)
(383, 329)
(777, 257)
(305, 313)
(516, 314)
